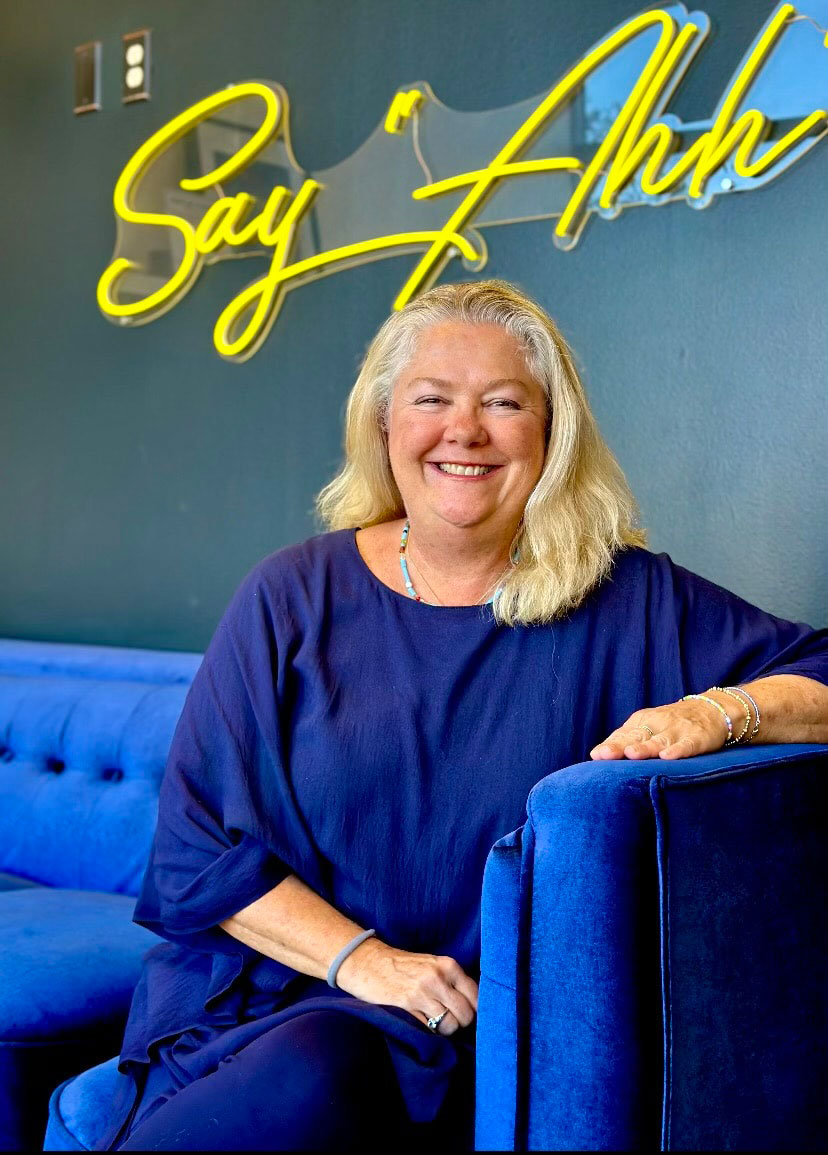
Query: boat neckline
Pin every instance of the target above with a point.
(486, 608)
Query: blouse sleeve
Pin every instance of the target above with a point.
(723, 639)
(228, 827)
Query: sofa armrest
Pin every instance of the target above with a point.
(662, 926)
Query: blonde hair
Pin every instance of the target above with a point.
(581, 511)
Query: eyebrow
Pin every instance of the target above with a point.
(441, 384)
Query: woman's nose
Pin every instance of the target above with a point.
(466, 427)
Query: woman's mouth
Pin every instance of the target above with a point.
(457, 469)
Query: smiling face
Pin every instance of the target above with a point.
(466, 429)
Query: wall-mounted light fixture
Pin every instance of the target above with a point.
(87, 77)
(135, 66)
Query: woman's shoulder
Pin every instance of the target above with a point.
(638, 576)
(633, 564)
(660, 581)
(304, 565)
(308, 556)
(292, 580)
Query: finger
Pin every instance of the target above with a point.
(650, 747)
(455, 989)
(448, 1024)
(609, 748)
(683, 747)
(617, 742)
(468, 988)
(457, 1003)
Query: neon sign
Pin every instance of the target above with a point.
(605, 138)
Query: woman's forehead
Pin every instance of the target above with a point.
(461, 351)
(457, 355)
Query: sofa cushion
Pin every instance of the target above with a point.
(28, 1075)
(15, 882)
(68, 967)
(80, 765)
(84, 736)
(80, 1110)
(101, 663)
(69, 963)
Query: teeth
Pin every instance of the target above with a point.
(465, 470)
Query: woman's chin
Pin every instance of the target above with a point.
(465, 518)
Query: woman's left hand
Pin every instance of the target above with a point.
(680, 730)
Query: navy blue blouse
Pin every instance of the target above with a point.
(377, 747)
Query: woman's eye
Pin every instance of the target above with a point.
(428, 400)
(504, 403)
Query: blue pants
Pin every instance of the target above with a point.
(322, 1081)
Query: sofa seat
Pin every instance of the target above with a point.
(68, 967)
(80, 1109)
(84, 737)
(15, 882)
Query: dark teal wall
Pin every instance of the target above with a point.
(141, 476)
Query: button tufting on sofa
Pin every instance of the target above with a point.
(103, 714)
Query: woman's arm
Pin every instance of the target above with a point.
(792, 709)
(294, 926)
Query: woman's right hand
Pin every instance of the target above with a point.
(423, 984)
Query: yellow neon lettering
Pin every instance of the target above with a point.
(633, 147)
(216, 227)
(401, 108)
(658, 139)
(130, 179)
(570, 217)
(714, 147)
(178, 283)
(245, 345)
(548, 164)
(266, 222)
(742, 164)
(433, 262)
(267, 291)
(721, 140)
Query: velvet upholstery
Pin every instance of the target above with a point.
(79, 1109)
(84, 736)
(69, 965)
(89, 750)
(652, 959)
(646, 910)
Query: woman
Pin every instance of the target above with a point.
(370, 716)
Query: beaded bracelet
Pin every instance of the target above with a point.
(752, 700)
(733, 691)
(729, 741)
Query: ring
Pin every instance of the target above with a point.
(643, 726)
(434, 1023)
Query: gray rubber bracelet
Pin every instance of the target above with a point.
(343, 954)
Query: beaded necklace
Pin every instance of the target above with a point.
(409, 585)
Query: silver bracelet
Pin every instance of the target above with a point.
(343, 954)
(752, 701)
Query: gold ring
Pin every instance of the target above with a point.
(642, 726)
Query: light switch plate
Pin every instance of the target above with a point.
(135, 66)
(87, 77)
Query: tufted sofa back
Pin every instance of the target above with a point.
(84, 737)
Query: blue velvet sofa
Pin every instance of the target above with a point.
(652, 937)
(653, 959)
(84, 736)
(652, 966)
